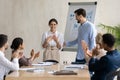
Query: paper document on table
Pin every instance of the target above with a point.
(32, 69)
(80, 66)
(43, 64)
(26, 69)
(36, 70)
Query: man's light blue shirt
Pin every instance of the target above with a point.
(86, 32)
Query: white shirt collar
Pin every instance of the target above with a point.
(1, 53)
(52, 32)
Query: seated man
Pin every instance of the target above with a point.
(111, 61)
(5, 64)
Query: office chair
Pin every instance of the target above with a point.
(53, 61)
(112, 74)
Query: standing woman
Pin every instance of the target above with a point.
(52, 42)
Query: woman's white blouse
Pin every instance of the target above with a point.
(52, 42)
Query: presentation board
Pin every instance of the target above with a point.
(71, 30)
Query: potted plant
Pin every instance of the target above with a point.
(115, 30)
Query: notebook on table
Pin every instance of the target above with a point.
(65, 72)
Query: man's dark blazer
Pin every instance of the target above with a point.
(106, 64)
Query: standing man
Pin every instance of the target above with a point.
(86, 32)
(5, 64)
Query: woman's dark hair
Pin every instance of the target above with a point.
(53, 20)
(16, 43)
(3, 39)
(109, 39)
(80, 12)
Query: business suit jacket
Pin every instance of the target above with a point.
(107, 63)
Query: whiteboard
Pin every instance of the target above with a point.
(72, 26)
(71, 30)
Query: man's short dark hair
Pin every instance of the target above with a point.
(80, 12)
(3, 40)
(109, 39)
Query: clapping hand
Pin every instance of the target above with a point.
(17, 54)
(92, 53)
(96, 51)
(55, 38)
(85, 49)
(37, 55)
(49, 39)
(32, 53)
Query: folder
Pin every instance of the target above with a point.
(65, 72)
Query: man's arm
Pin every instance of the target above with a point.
(11, 65)
(92, 37)
(71, 43)
(95, 65)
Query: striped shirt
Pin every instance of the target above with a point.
(86, 32)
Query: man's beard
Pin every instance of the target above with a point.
(78, 21)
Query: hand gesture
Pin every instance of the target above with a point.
(96, 51)
(55, 38)
(92, 53)
(49, 39)
(37, 55)
(32, 53)
(85, 49)
(17, 54)
(20, 55)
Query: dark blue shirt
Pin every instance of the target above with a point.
(107, 63)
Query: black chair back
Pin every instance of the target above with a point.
(112, 74)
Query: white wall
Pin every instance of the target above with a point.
(67, 57)
(108, 12)
(29, 18)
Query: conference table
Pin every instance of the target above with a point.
(82, 74)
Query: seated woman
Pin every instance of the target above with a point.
(52, 42)
(98, 50)
(17, 44)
